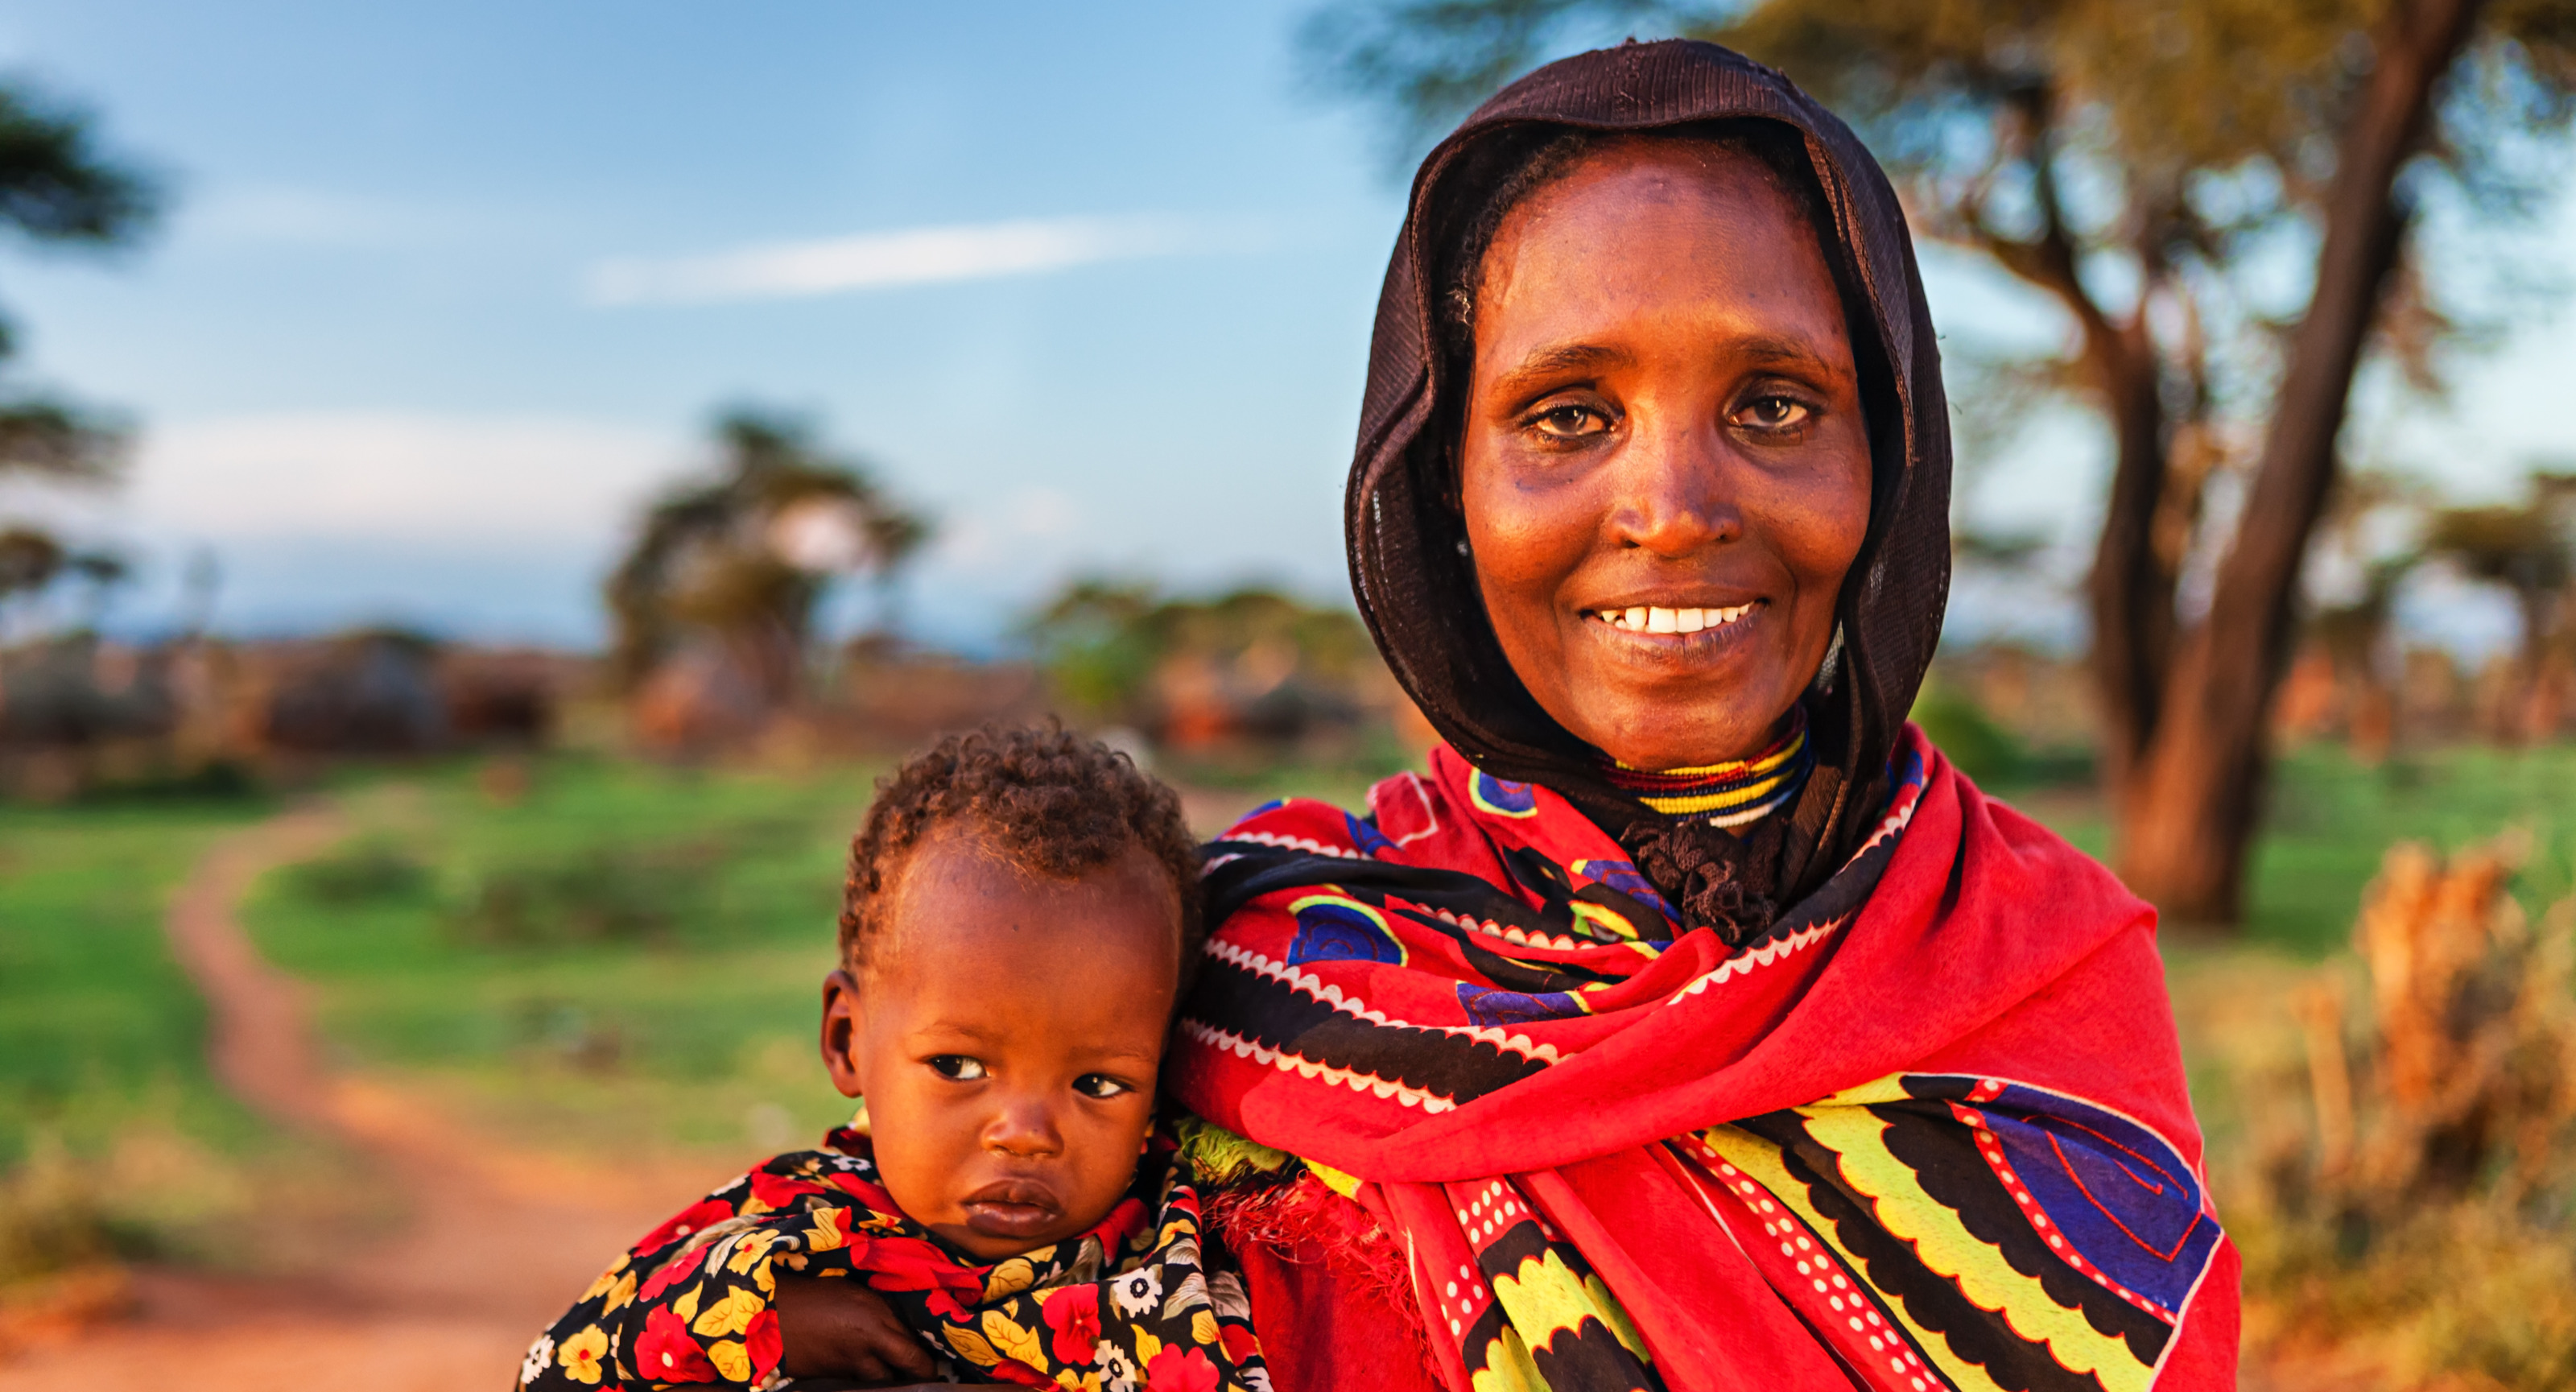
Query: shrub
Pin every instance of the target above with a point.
(2418, 1212)
(1983, 750)
(49, 1216)
(369, 871)
(601, 894)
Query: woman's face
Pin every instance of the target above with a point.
(1664, 469)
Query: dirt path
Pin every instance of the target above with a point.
(498, 1240)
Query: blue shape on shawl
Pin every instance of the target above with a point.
(1504, 797)
(1622, 876)
(1341, 933)
(1365, 837)
(2119, 1194)
(1488, 1006)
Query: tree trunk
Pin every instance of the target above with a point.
(2132, 587)
(2187, 816)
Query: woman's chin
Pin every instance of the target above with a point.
(1644, 733)
(1660, 719)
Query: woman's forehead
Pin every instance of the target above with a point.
(1720, 192)
(1660, 233)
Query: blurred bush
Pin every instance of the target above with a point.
(1982, 749)
(601, 893)
(367, 871)
(611, 893)
(2415, 1213)
(50, 1219)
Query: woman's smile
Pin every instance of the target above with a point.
(1674, 640)
(1657, 619)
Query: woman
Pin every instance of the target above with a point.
(1691, 1022)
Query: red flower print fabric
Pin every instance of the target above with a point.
(1137, 1304)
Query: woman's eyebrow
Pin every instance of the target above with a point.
(1555, 358)
(1771, 350)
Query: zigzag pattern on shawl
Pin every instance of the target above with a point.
(1290, 1019)
(2065, 1270)
(1275, 1007)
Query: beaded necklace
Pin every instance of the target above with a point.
(1728, 794)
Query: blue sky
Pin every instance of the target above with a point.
(448, 291)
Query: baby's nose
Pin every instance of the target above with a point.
(1024, 1131)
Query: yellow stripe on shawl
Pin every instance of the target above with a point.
(1975, 1265)
(1601, 920)
(1761, 1159)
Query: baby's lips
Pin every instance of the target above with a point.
(1012, 1208)
(1014, 1191)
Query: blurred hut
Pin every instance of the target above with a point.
(77, 690)
(375, 691)
(885, 696)
(505, 696)
(74, 709)
(1250, 671)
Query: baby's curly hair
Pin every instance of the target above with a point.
(1045, 800)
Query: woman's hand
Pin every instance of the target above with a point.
(833, 1327)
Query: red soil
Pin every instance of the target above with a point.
(497, 1242)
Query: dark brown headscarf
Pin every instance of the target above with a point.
(1417, 586)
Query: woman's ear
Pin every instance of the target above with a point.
(844, 1025)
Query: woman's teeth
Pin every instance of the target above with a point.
(1646, 619)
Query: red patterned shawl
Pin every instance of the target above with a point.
(1929, 1131)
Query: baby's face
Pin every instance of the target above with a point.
(1006, 1038)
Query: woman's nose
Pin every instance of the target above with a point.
(1023, 1129)
(1675, 493)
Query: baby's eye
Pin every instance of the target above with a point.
(958, 1067)
(1101, 1086)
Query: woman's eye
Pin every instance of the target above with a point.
(1569, 422)
(958, 1068)
(1774, 413)
(1095, 1085)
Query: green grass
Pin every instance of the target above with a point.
(98, 1027)
(686, 1014)
(2329, 818)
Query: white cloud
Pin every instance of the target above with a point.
(917, 256)
(474, 482)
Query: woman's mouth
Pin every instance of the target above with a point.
(1643, 618)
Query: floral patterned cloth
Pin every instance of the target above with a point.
(1133, 1305)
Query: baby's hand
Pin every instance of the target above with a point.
(832, 1327)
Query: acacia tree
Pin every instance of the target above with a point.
(2529, 550)
(57, 187)
(2147, 167)
(745, 556)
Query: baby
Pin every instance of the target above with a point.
(1020, 919)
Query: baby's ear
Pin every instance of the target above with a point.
(844, 1025)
